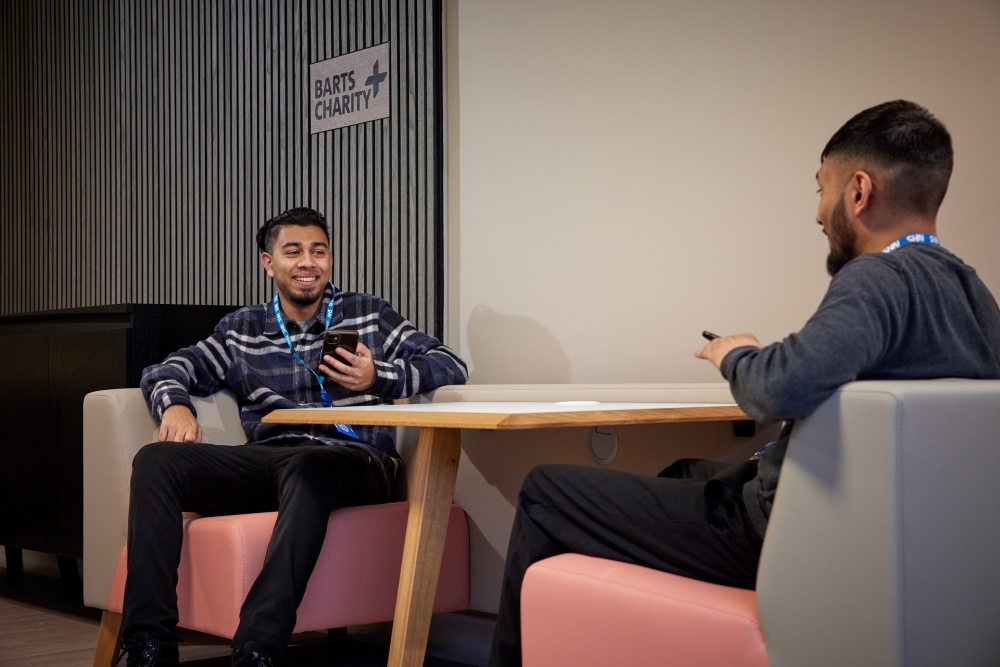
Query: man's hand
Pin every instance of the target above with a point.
(178, 424)
(717, 349)
(357, 375)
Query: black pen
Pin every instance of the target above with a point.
(709, 335)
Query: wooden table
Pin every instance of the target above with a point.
(436, 467)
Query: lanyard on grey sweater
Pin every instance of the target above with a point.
(911, 238)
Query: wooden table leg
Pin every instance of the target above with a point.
(435, 470)
(109, 640)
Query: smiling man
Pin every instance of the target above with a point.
(899, 306)
(269, 356)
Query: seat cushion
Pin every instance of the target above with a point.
(581, 611)
(354, 582)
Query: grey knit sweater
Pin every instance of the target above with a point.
(915, 313)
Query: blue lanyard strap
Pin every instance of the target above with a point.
(911, 238)
(343, 428)
(291, 347)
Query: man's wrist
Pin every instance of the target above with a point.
(177, 404)
(728, 364)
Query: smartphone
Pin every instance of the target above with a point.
(709, 335)
(345, 338)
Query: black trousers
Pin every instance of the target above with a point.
(304, 483)
(690, 521)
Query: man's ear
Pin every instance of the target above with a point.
(860, 190)
(265, 259)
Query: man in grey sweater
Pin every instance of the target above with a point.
(899, 306)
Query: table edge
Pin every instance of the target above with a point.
(508, 421)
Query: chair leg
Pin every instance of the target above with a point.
(15, 564)
(72, 586)
(109, 640)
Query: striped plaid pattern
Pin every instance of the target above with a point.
(248, 355)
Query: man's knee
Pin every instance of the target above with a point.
(320, 471)
(303, 468)
(153, 461)
(330, 477)
(544, 481)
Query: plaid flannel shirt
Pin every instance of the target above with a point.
(248, 355)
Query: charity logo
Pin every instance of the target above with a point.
(350, 89)
(339, 94)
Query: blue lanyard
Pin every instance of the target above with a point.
(343, 428)
(911, 238)
(288, 339)
(762, 450)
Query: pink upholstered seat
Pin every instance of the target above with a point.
(578, 611)
(354, 582)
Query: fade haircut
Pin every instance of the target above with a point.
(302, 216)
(909, 146)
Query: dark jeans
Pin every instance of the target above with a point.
(304, 483)
(689, 521)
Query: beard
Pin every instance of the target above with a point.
(308, 296)
(842, 240)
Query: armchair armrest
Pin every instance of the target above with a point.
(116, 425)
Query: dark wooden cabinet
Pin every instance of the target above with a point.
(48, 362)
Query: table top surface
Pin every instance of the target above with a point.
(511, 415)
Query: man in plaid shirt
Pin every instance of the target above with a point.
(269, 356)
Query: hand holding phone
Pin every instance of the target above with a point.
(719, 346)
(346, 339)
(359, 374)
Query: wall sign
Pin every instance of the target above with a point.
(349, 89)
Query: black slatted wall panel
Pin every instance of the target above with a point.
(144, 142)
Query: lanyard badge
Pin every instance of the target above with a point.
(275, 303)
(911, 238)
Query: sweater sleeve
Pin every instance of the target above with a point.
(850, 333)
(199, 370)
(414, 362)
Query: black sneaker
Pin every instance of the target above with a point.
(144, 652)
(253, 655)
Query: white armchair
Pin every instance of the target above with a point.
(883, 545)
(222, 556)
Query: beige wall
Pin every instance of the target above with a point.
(625, 174)
(630, 173)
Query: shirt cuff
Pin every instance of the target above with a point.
(386, 379)
(170, 398)
(728, 365)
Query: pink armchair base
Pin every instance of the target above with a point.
(580, 611)
(354, 582)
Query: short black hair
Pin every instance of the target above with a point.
(908, 143)
(302, 216)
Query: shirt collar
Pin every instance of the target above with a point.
(271, 322)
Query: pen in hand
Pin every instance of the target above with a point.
(709, 335)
